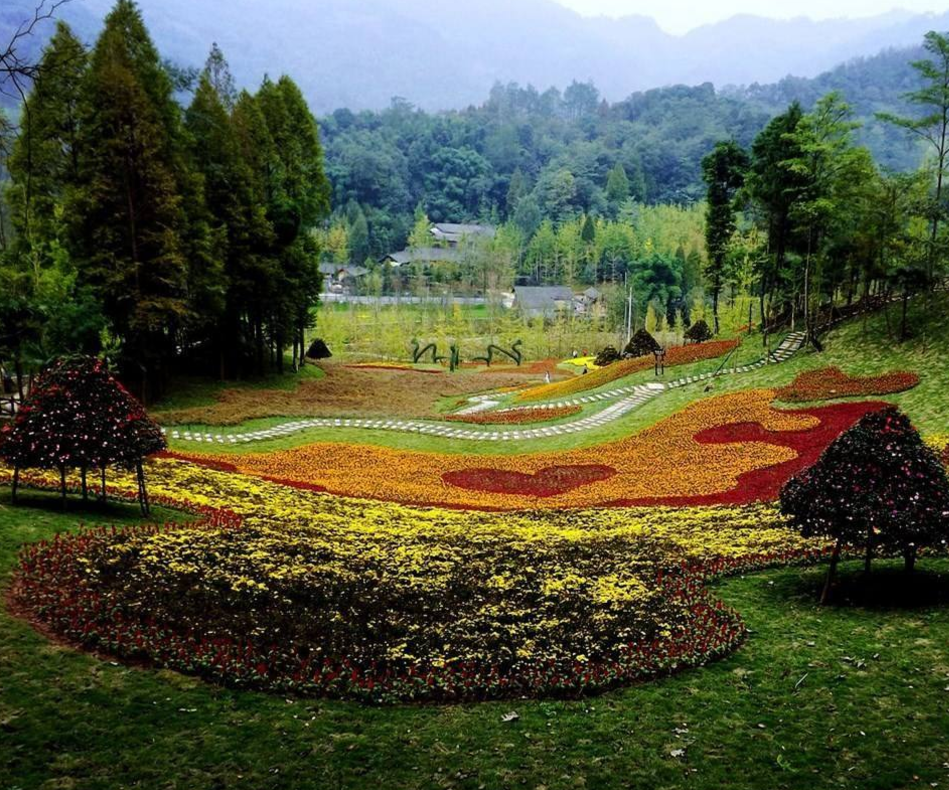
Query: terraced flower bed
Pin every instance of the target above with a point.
(829, 383)
(516, 416)
(344, 391)
(714, 451)
(309, 594)
(679, 355)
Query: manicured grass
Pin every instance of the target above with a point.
(848, 696)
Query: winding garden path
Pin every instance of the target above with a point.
(626, 399)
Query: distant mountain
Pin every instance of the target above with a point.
(361, 53)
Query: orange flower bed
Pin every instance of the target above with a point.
(668, 461)
(516, 416)
(828, 383)
(679, 355)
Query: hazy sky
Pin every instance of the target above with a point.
(679, 16)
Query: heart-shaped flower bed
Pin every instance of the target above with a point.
(547, 482)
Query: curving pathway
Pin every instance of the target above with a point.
(626, 400)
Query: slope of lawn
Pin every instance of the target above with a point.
(859, 347)
(849, 696)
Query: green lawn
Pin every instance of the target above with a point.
(851, 696)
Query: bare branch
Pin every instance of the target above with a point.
(15, 66)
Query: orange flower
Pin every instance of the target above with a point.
(664, 461)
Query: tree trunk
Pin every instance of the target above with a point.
(16, 481)
(903, 318)
(910, 559)
(868, 557)
(62, 484)
(102, 490)
(85, 488)
(831, 573)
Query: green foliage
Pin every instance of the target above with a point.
(640, 345)
(185, 238)
(607, 356)
(699, 332)
(723, 171)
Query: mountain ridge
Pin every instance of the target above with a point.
(360, 55)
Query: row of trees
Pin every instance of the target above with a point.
(805, 217)
(179, 235)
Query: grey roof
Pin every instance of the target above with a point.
(453, 231)
(332, 269)
(591, 293)
(423, 255)
(541, 298)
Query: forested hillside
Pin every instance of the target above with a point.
(557, 149)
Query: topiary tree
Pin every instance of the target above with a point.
(78, 416)
(699, 332)
(318, 350)
(640, 345)
(877, 486)
(607, 356)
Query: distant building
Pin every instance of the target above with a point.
(447, 238)
(337, 276)
(453, 234)
(423, 255)
(545, 300)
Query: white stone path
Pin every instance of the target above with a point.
(626, 399)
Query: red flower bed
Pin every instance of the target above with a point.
(765, 484)
(547, 482)
(828, 383)
(516, 416)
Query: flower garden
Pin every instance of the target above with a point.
(734, 449)
(388, 574)
(280, 589)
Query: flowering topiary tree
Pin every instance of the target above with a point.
(877, 486)
(699, 332)
(78, 416)
(640, 345)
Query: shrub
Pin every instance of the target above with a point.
(877, 485)
(318, 350)
(699, 332)
(78, 416)
(607, 356)
(640, 345)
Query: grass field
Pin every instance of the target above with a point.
(851, 696)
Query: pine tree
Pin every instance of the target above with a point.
(45, 161)
(129, 221)
(724, 172)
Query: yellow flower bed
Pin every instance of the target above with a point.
(379, 601)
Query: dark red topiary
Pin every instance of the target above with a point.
(78, 416)
(877, 485)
